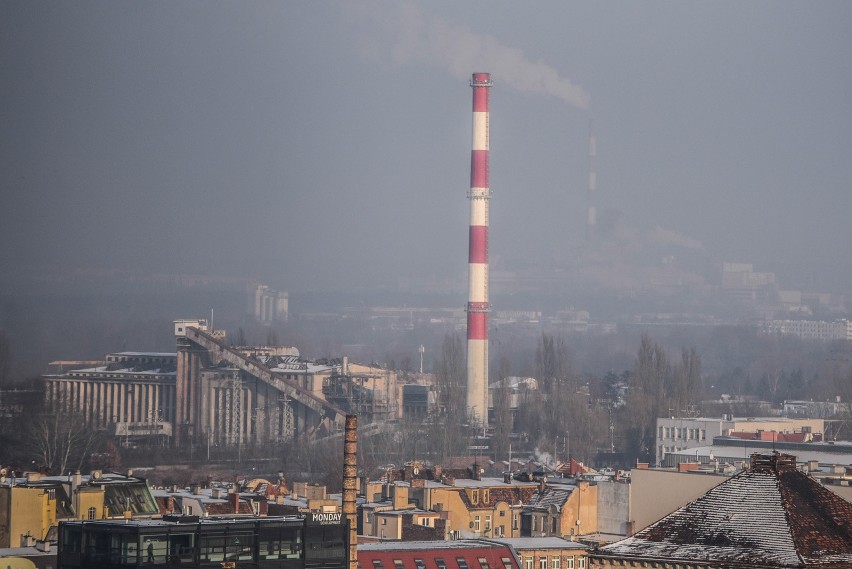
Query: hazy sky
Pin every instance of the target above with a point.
(327, 144)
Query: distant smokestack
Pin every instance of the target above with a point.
(477, 305)
(592, 216)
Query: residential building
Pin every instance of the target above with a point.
(547, 552)
(561, 510)
(455, 554)
(32, 506)
(471, 505)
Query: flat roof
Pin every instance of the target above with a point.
(520, 543)
(185, 521)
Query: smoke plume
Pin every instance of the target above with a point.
(401, 31)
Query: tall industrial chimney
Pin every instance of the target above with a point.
(477, 305)
(350, 486)
(592, 216)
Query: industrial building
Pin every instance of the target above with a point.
(211, 393)
(677, 434)
(268, 305)
(810, 329)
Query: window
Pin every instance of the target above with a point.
(569, 562)
(485, 495)
(553, 528)
(377, 564)
(581, 563)
(397, 563)
(515, 522)
(502, 513)
(384, 521)
(462, 562)
(555, 562)
(507, 563)
(487, 522)
(542, 563)
(475, 496)
(660, 433)
(476, 523)
(483, 563)
(92, 513)
(440, 563)
(419, 564)
(528, 563)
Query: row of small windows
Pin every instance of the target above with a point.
(683, 433)
(556, 562)
(440, 563)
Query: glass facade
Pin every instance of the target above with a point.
(262, 543)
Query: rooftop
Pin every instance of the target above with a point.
(771, 514)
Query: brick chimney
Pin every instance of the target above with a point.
(234, 501)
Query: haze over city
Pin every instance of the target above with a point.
(565, 282)
(325, 146)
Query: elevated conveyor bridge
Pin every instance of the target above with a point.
(312, 413)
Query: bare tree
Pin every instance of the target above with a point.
(61, 441)
(503, 421)
(685, 380)
(448, 424)
(646, 399)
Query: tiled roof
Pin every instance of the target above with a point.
(771, 514)
(436, 555)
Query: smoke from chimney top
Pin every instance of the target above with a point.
(418, 37)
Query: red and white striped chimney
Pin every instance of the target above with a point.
(477, 305)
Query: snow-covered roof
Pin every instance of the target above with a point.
(521, 543)
(771, 514)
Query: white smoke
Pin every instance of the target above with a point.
(402, 32)
(544, 457)
(668, 237)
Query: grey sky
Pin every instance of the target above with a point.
(326, 144)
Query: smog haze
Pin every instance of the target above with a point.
(326, 145)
